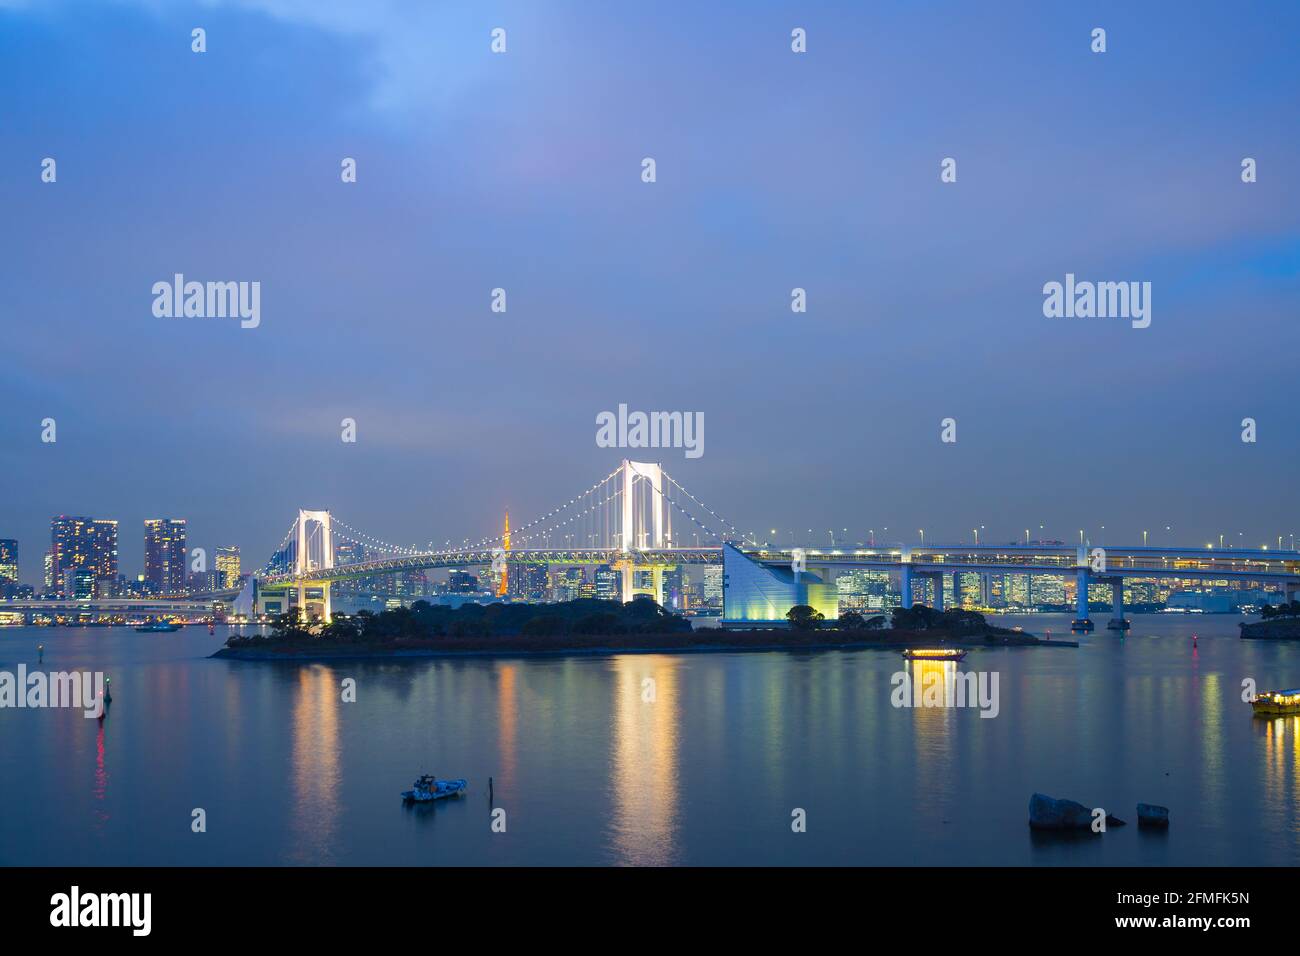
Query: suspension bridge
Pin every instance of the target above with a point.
(636, 521)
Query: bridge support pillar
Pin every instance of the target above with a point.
(938, 592)
(1081, 621)
(906, 583)
(1117, 599)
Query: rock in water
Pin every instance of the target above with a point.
(1048, 813)
(1150, 815)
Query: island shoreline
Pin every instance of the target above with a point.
(301, 654)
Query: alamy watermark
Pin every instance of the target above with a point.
(209, 300)
(1102, 300)
(941, 688)
(651, 430)
(75, 908)
(82, 689)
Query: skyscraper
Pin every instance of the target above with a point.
(713, 585)
(77, 544)
(164, 554)
(8, 561)
(228, 566)
(609, 584)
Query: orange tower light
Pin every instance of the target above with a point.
(505, 546)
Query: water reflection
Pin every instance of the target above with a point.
(315, 765)
(1281, 764)
(645, 756)
(706, 774)
(932, 682)
(101, 780)
(507, 720)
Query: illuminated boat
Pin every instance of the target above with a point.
(426, 789)
(158, 627)
(934, 654)
(1275, 703)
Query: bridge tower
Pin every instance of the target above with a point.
(304, 562)
(640, 531)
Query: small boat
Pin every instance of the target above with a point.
(934, 654)
(156, 627)
(426, 789)
(1276, 703)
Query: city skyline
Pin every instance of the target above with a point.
(923, 304)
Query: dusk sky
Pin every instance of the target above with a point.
(775, 171)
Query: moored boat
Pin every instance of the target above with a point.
(934, 654)
(158, 627)
(427, 789)
(1276, 703)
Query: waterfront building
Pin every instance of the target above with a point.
(1049, 589)
(755, 593)
(350, 552)
(1017, 590)
(609, 584)
(461, 582)
(528, 582)
(970, 589)
(227, 565)
(8, 561)
(80, 583)
(77, 543)
(1099, 593)
(200, 582)
(713, 583)
(164, 554)
(674, 594)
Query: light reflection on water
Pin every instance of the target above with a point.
(316, 765)
(644, 757)
(591, 771)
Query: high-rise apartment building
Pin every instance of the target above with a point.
(164, 554)
(81, 544)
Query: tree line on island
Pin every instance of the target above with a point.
(1270, 612)
(423, 623)
(918, 617)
